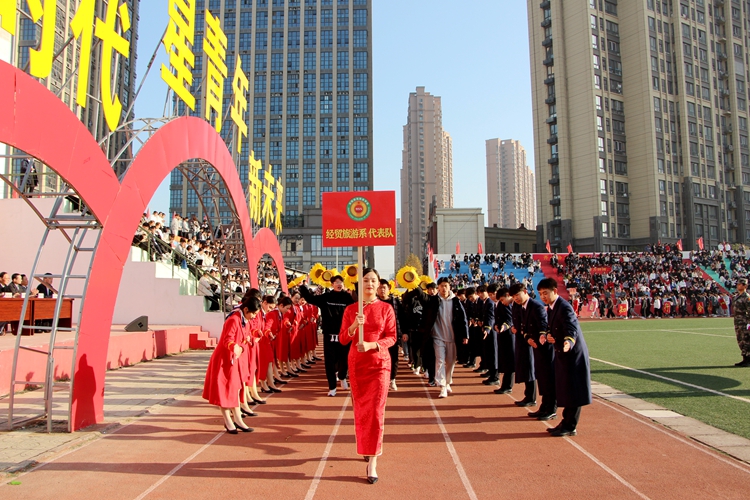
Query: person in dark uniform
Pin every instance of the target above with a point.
(427, 348)
(410, 321)
(474, 331)
(489, 353)
(572, 371)
(482, 298)
(332, 305)
(506, 341)
(523, 354)
(532, 325)
(384, 294)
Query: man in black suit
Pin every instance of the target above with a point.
(489, 353)
(506, 341)
(530, 322)
(572, 371)
(478, 341)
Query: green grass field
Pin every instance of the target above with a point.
(701, 352)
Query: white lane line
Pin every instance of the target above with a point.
(675, 381)
(699, 333)
(703, 448)
(322, 464)
(449, 444)
(179, 466)
(607, 469)
(598, 462)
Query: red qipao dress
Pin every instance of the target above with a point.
(265, 350)
(225, 375)
(370, 372)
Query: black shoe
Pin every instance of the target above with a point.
(265, 391)
(547, 416)
(248, 413)
(274, 390)
(243, 429)
(562, 432)
(502, 391)
(258, 401)
(302, 370)
(744, 363)
(491, 381)
(306, 366)
(553, 429)
(525, 402)
(231, 431)
(282, 382)
(293, 375)
(535, 414)
(478, 369)
(482, 372)
(432, 383)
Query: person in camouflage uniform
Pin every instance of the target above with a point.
(741, 307)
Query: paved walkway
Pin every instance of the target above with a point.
(473, 444)
(129, 393)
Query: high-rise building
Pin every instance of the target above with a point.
(640, 122)
(426, 172)
(63, 80)
(511, 198)
(309, 64)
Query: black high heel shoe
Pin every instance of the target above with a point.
(371, 479)
(258, 401)
(231, 431)
(282, 382)
(248, 413)
(243, 429)
(265, 391)
(274, 390)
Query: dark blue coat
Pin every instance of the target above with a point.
(530, 323)
(506, 341)
(572, 371)
(524, 357)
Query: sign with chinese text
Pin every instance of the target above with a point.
(359, 218)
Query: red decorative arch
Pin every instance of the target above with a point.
(34, 120)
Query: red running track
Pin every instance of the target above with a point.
(474, 444)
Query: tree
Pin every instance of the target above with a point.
(413, 261)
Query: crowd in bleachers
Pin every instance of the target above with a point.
(193, 245)
(484, 269)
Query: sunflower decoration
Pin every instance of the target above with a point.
(327, 276)
(296, 281)
(425, 280)
(316, 272)
(407, 277)
(351, 275)
(392, 287)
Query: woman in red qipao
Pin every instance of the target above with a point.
(227, 369)
(369, 367)
(265, 347)
(255, 333)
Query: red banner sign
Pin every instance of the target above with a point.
(359, 218)
(601, 270)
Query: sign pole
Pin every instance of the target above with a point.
(360, 290)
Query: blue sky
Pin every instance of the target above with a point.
(474, 55)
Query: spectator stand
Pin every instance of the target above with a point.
(466, 270)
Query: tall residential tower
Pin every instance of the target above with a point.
(511, 199)
(426, 172)
(640, 122)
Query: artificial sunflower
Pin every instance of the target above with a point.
(407, 277)
(425, 280)
(316, 272)
(351, 275)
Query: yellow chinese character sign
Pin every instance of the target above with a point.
(178, 41)
(265, 195)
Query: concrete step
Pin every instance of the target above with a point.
(201, 341)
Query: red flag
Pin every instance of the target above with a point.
(679, 244)
(458, 248)
(549, 249)
(700, 242)
(570, 248)
(479, 247)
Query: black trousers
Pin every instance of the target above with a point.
(428, 358)
(507, 382)
(570, 417)
(489, 354)
(393, 351)
(529, 392)
(336, 358)
(475, 344)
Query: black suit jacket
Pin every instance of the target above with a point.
(572, 371)
(431, 309)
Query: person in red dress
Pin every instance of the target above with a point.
(265, 346)
(369, 367)
(256, 332)
(227, 370)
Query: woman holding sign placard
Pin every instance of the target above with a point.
(369, 367)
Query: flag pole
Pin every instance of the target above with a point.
(360, 290)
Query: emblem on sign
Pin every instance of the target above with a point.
(358, 209)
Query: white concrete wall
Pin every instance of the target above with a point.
(141, 292)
